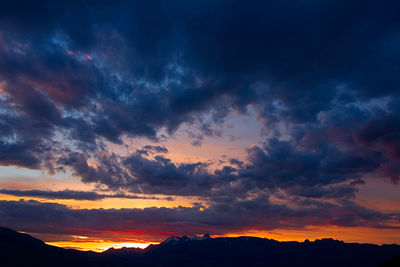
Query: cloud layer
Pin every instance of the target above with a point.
(70, 194)
(156, 223)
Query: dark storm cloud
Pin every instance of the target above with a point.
(277, 166)
(284, 164)
(36, 217)
(108, 170)
(70, 194)
(141, 174)
(188, 57)
(161, 175)
(381, 133)
(24, 143)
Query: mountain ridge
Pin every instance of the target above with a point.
(254, 251)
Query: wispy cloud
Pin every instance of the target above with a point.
(71, 194)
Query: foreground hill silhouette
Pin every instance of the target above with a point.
(18, 249)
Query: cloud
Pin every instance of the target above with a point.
(283, 164)
(37, 217)
(140, 174)
(265, 54)
(327, 173)
(152, 149)
(71, 194)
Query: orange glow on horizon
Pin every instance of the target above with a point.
(99, 245)
(109, 203)
(346, 234)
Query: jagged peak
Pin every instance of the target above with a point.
(176, 239)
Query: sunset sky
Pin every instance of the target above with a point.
(125, 122)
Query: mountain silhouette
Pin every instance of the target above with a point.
(17, 249)
(252, 251)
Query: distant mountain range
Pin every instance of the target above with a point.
(17, 249)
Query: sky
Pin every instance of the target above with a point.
(125, 122)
